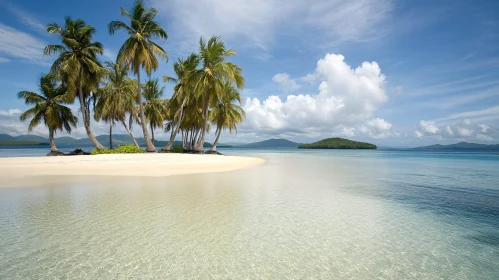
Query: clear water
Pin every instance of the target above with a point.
(301, 215)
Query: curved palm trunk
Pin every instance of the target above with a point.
(200, 143)
(214, 147)
(174, 131)
(86, 121)
(152, 136)
(130, 133)
(53, 148)
(150, 147)
(110, 135)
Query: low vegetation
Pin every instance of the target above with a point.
(337, 143)
(125, 149)
(177, 149)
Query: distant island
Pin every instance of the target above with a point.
(461, 146)
(271, 143)
(337, 143)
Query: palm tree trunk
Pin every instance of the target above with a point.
(214, 147)
(86, 121)
(200, 143)
(149, 146)
(174, 132)
(131, 135)
(152, 134)
(110, 135)
(53, 148)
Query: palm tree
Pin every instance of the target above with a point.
(77, 64)
(139, 51)
(183, 94)
(210, 79)
(49, 108)
(226, 114)
(116, 99)
(155, 108)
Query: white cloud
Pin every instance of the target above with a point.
(484, 137)
(478, 115)
(348, 132)
(4, 60)
(26, 18)
(347, 98)
(10, 112)
(377, 128)
(448, 131)
(285, 82)
(256, 22)
(464, 129)
(428, 127)
(15, 43)
(309, 78)
(484, 128)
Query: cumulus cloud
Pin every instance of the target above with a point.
(484, 128)
(348, 132)
(285, 82)
(484, 137)
(464, 129)
(377, 128)
(346, 98)
(10, 112)
(428, 127)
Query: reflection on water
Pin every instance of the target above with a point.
(353, 215)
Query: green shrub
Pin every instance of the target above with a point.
(177, 149)
(122, 149)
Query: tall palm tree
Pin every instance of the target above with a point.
(183, 94)
(210, 79)
(49, 108)
(116, 99)
(155, 108)
(77, 64)
(139, 51)
(226, 114)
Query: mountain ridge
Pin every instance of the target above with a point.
(461, 146)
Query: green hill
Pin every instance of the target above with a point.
(337, 143)
(22, 143)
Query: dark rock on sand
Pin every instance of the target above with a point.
(55, 154)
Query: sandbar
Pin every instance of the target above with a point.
(148, 165)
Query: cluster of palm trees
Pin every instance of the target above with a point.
(205, 85)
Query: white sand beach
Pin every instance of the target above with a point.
(156, 165)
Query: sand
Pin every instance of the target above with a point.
(154, 165)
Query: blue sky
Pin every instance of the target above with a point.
(396, 73)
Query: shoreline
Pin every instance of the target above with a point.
(123, 165)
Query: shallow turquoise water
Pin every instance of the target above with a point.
(301, 215)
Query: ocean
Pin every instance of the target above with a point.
(303, 214)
